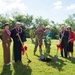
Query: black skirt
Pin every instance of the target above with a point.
(70, 47)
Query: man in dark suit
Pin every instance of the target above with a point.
(16, 41)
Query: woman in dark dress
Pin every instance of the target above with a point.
(63, 37)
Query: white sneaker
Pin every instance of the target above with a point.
(8, 63)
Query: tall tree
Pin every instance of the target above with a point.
(41, 21)
(70, 21)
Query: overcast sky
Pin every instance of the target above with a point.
(57, 10)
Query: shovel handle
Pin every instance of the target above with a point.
(19, 38)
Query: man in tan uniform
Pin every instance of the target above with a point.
(38, 39)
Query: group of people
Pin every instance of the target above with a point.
(66, 37)
(41, 34)
(6, 42)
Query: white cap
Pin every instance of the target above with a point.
(18, 23)
(48, 26)
(68, 27)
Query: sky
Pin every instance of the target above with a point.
(56, 10)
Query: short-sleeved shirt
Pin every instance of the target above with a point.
(39, 34)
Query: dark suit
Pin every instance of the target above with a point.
(64, 42)
(16, 44)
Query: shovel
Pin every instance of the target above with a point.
(56, 56)
(23, 48)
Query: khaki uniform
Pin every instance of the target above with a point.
(38, 40)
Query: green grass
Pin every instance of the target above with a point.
(61, 66)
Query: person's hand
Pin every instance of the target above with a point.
(62, 35)
(60, 40)
(17, 34)
(22, 43)
(68, 41)
(6, 44)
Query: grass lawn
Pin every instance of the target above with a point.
(61, 66)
